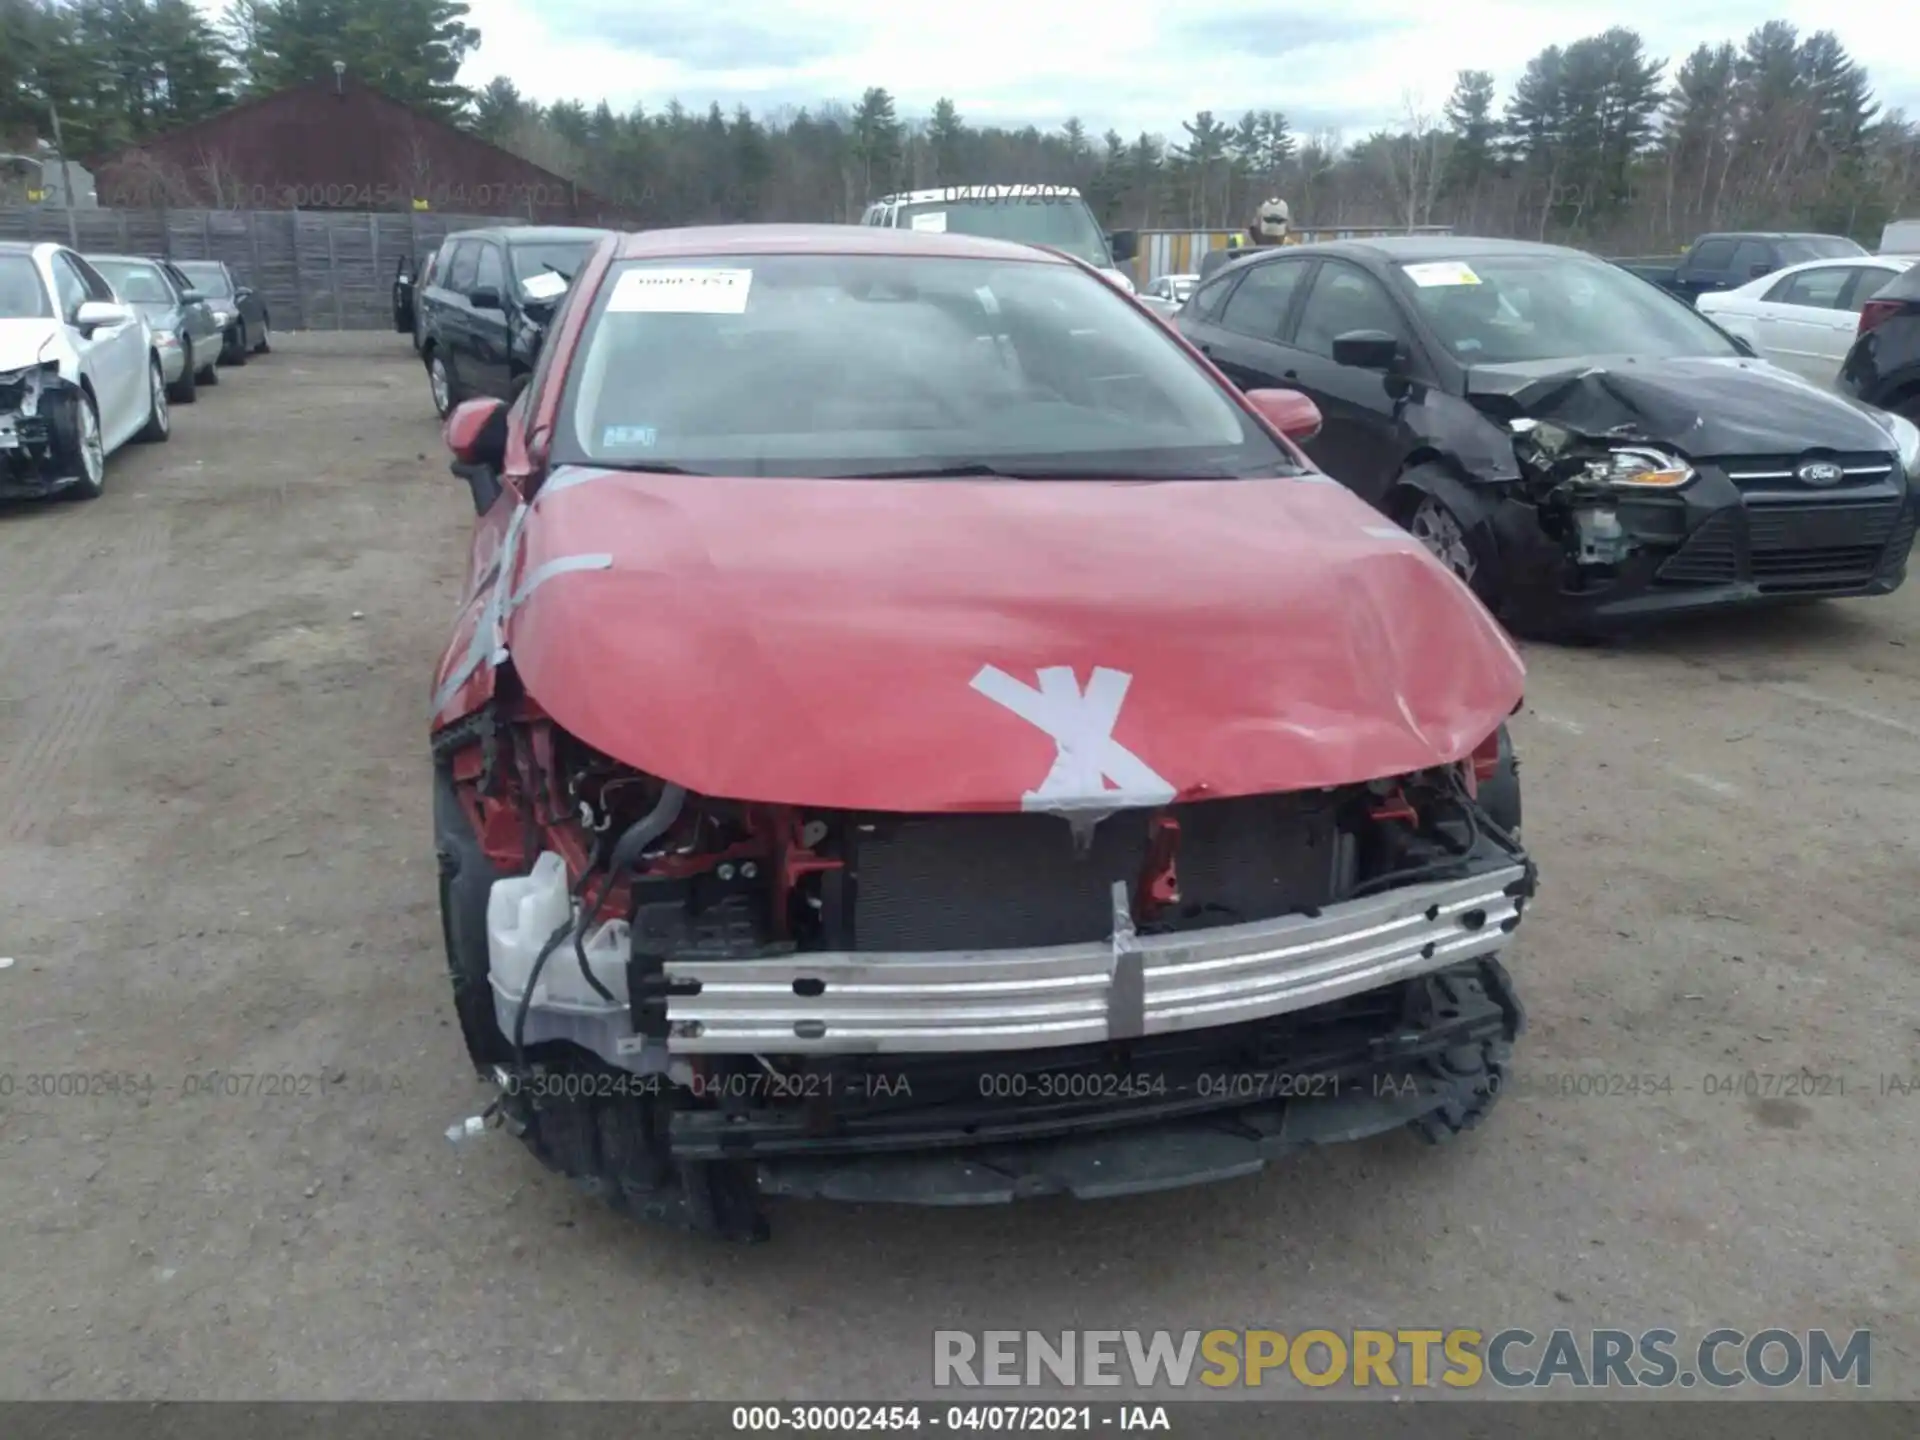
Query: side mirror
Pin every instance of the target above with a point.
(1288, 411)
(1757, 269)
(1124, 245)
(192, 297)
(99, 315)
(485, 298)
(476, 432)
(1367, 350)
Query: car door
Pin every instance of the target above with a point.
(1751, 260)
(1241, 332)
(446, 300)
(1704, 268)
(491, 320)
(201, 322)
(1361, 441)
(403, 296)
(114, 356)
(1797, 320)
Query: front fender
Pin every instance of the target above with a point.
(1503, 526)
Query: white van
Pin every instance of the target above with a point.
(1053, 215)
(1901, 237)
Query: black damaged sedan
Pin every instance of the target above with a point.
(1577, 445)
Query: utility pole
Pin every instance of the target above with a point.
(66, 178)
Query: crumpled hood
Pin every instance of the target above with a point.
(1702, 406)
(21, 343)
(962, 645)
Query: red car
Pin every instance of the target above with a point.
(914, 732)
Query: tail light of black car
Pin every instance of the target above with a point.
(1876, 312)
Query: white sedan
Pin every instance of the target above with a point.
(1804, 318)
(79, 375)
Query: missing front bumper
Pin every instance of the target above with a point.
(1130, 986)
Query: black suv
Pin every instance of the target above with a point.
(1883, 367)
(484, 309)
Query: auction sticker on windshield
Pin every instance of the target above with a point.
(1433, 273)
(934, 221)
(682, 292)
(545, 285)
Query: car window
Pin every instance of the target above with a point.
(96, 283)
(1711, 255)
(209, 277)
(1259, 307)
(491, 272)
(22, 295)
(1869, 281)
(461, 266)
(69, 282)
(847, 365)
(1556, 305)
(1208, 300)
(1747, 254)
(1818, 288)
(1061, 221)
(136, 281)
(1345, 299)
(1819, 247)
(550, 257)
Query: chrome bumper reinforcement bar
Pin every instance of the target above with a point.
(1128, 986)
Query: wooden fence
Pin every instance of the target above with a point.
(318, 269)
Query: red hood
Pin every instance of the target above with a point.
(833, 643)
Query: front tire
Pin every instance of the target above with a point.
(441, 383)
(86, 450)
(159, 426)
(184, 391)
(237, 346)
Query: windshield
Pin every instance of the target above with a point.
(136, 282)
(22, 296)
(1818, 247)
(565, 256)
(208, 277)
(1062, 221)
(1494, 310)
(877, 365)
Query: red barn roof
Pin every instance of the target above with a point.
(338, 146)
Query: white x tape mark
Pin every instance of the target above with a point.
(1081, 724)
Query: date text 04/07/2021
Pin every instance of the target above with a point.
(981, 1419)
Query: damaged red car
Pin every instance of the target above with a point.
(914, 733)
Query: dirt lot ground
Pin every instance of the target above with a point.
(215, 843)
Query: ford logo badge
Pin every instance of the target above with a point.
(1819, 472)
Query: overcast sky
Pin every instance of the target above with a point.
(1127, 64)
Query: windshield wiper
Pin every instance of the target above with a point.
(642, 467)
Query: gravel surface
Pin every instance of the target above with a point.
(214, 834)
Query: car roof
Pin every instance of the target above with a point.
(528, 234)
(973, 192)
(705, 240)
(1419, 247)
(1767, 235)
